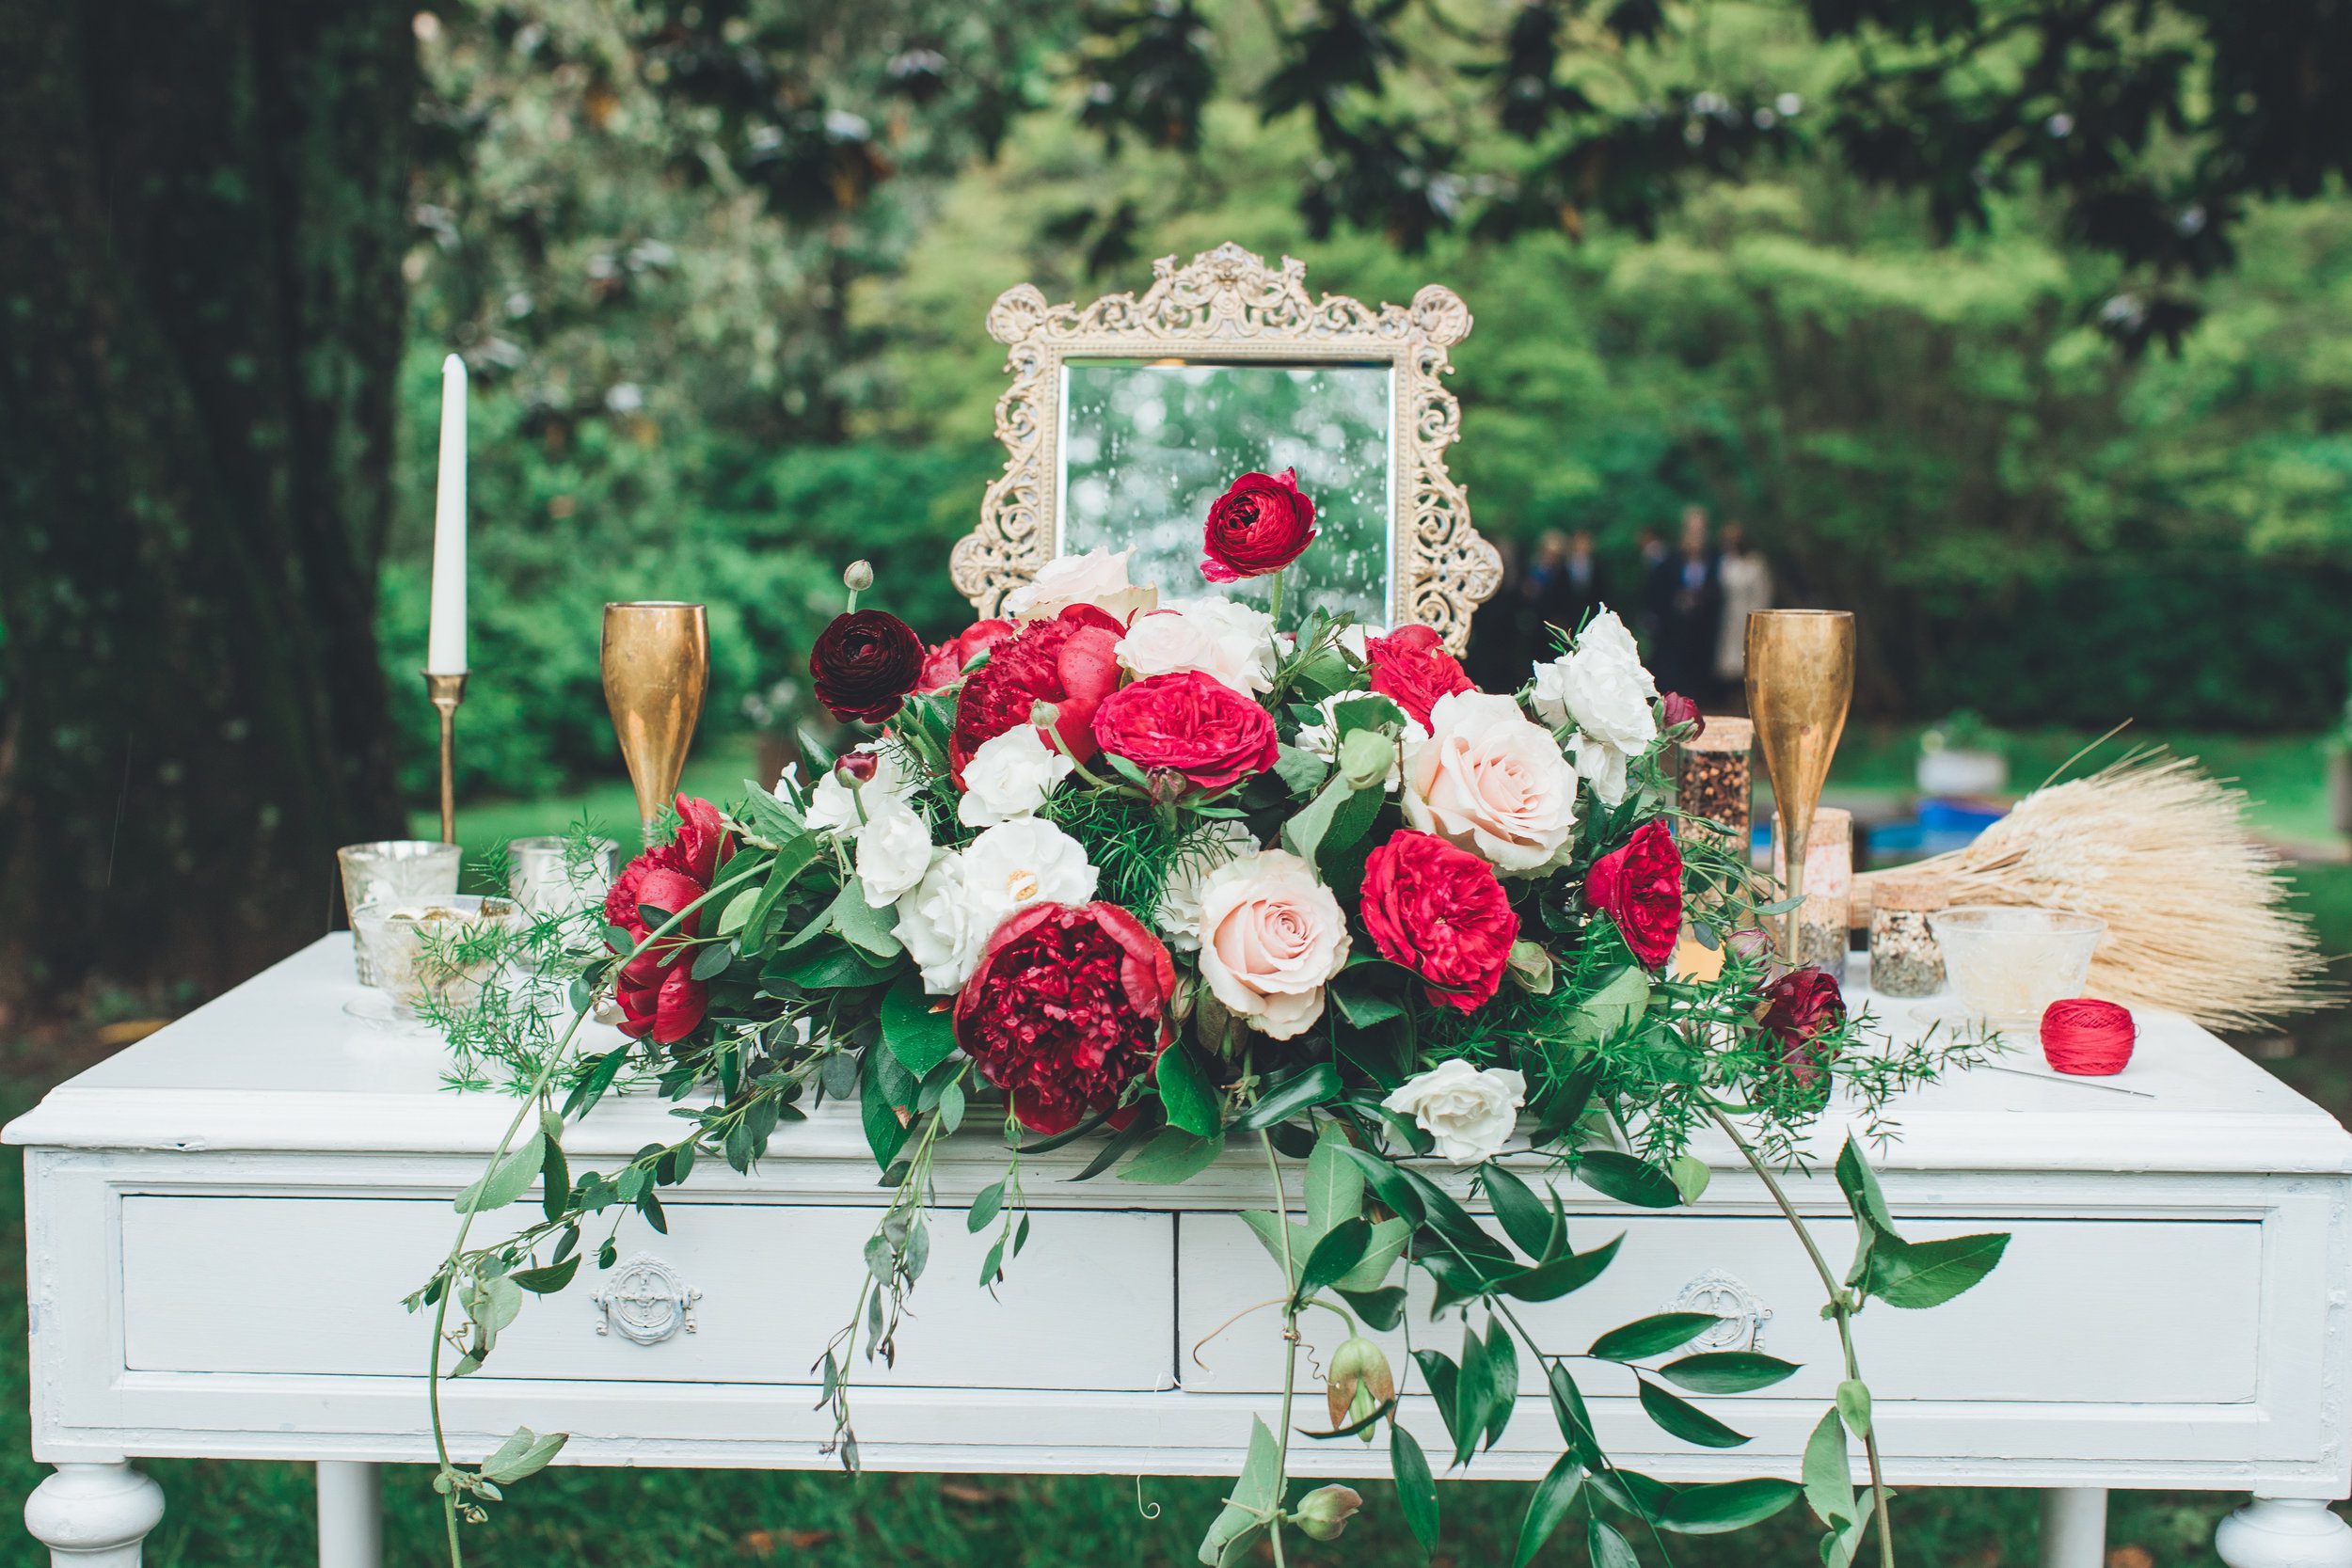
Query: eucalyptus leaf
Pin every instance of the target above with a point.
(508, 1179)
(1555, 1496)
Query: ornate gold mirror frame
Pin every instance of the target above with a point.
(1229, 307)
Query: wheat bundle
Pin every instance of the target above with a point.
(2198, 918)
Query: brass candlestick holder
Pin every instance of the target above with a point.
(656, 667)
(446, 692)
(1800, 685)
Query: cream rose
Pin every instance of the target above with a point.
(1177, 916)
(1470, 1111)
(1271, 937)
(1231, 641)
(1009, 776)
(1098, 577)
(894, 850)
(950, 915)
(1491, 781)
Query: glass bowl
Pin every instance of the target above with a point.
(444, 947)
(2007, 963)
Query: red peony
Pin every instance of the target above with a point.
(1068, 1007)
(1799, 1007)
(1639, 887)
(1067, 661)
(1189, 724)
(660, 996)
(656, 991)
(1409, 667)
(1260, 525)
(1442, 914)
(1680, 710)
(863, 664)
(943, 665)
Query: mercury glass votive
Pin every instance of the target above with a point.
(389, 873)
(545, 877)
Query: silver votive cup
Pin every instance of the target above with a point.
(390, 872)
(546, 879)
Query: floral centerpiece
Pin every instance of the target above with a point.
(1173, 877)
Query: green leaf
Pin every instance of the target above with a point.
(1383, 1309)
(1524, 1218)
(1555, 1495)
(1191, 1104)
(1683, 1419)
(827, 968)
(1363, 1008)
(1252, 1498)
(1391, 1182)
(1853, 1404)
(1862, 1190)
(1690, 1176)
(1173, 1157)
(1302, 835)
(881, 1075)
(1301, 771)
(1388, 1245)
(919, 1038)
(986, 1205)
(1553, 1280)
(1611, 1010)
(1726, 1506)
(1473, 1397)
(1728, 1372)
(1268, 1231)
(739, 910)
(1576, 1422)
(712, 960)
(1621, 1176)
(548, 1280)
(1607, 1548)
(862, 926)
(1334, 1256)
(1335, 1188)
(555, 1180)
(1314, 1086)
(793, 856)
(1350, 823)
(1829, 1475)
(1652, 1335)
(1502, 1379)
(1928, 1273)
(508, 1179)
(524, 1454)
(1416, 1489)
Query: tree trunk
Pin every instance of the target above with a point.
(200, 315)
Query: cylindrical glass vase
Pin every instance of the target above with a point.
(1905, 958)
(1718, 776)
(1828, 888)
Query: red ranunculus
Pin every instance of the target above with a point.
(863, 664)
(1799, 1007)
(1409, 667)
(1680, 710)
(656, 990)
(943, 664)
(1442, 914)
(1260, 525)
(1190, 723)
(1067, 661)
(1639, 887)
(1068, 1006)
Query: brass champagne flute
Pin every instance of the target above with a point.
(1800, 685)
(656, 667)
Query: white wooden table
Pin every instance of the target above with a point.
(223, 1218)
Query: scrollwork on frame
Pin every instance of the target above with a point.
(1228, 303)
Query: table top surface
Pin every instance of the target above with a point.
(280, 1062)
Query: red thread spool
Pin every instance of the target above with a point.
(2092, 1039)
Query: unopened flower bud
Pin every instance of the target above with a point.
(1530, 967)
(858, 575)
(854, 767)
(1043, 714)
(1166, 786)
(1322, 1513)
(1358, 1383)
(1366, 758)
(1680, 710)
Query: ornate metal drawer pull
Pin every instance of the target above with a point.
(1743, 1312)
(646, 1300)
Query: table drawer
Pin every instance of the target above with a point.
(2092, 1311)
(314, 1285)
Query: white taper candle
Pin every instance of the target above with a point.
(445, 643)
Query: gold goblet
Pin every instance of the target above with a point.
(1800, 684)
(656, 666)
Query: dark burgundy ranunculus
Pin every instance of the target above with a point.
(1680, 710)
(1069, 1005)
(1067, 661)
(1442, 914)
(1639, 886)
(943, 664)
(1260, 525)
(863, 664)
(1799, 1007)
(1190, 723)
(1411, 667)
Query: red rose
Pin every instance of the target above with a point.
(1442, 914)
(1409, 668)
(943, 664)
(1260, 525)
(1799, 1007)
(1068, 1007)
(1190, 723)
(1066, 661)
(658, 993)
(1639, 887)
(864, 665)
(1680, 710)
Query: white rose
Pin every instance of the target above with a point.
(1322, 738)
(1098, 577)
(1009, 776)
(948, 918)
(1270, 936)
(894, 850)
(833, 805)
(1600, 686)
(1234, 643)
(1491, 781)
(1600, 765)
(1177, 915)
(1470, 1111)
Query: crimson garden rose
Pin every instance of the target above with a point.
(1189, 724)
(1442, 914)
(1639, 887)
(656, 990)
(1260, 525)
(1068, 1005)
(863, 664)
(1411, 669)
(943, 665)
(1799, 1007)
(1067, 660)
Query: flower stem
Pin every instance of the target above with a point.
(1274, 607)
(1290, 1333)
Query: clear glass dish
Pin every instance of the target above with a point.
(2006, 963)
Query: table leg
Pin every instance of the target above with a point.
(351, 1514)
(2284, 1532)
(2075, 1526)
(94, 1515)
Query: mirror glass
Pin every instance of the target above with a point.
(1148, 445)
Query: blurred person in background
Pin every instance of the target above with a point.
(1686, 597)
(1746, 585)
(1642, 614)
(1497, 657)
(1563, 587)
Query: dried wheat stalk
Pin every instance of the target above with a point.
(2198, 918)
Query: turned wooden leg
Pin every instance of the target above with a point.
(2075, 1526)
(351, 1514)
(2284, 1532)
(94, 1515)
